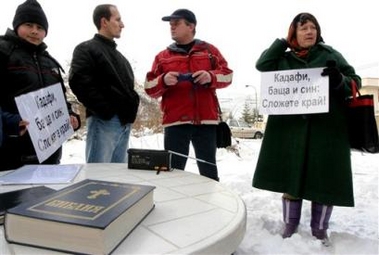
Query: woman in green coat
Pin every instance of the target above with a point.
(307, 156)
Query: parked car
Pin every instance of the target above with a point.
(241, 129)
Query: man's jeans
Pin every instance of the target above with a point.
(107, 140)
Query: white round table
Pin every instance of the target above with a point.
(192, 215)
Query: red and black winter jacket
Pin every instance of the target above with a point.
(188, 103)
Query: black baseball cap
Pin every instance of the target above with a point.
(182, 14)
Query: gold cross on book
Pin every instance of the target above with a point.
(96, 193)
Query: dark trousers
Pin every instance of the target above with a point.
(19, 151)
(203, 138)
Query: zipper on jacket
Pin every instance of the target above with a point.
(38, 68)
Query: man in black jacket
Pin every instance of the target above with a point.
(103, 80)
(26, 66)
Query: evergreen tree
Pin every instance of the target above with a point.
(248, 113)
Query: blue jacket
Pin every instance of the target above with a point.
(8, 125)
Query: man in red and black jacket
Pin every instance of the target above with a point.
(186, 76)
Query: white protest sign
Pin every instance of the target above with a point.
(298, 91)
(47, 113)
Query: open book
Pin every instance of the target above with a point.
(41, 174)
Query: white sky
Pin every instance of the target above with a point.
(241, 30)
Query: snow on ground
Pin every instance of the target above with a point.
(352, 230)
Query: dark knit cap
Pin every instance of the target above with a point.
(30, 11)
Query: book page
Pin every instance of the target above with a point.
(41, 174)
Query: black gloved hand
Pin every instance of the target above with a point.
(335, 76)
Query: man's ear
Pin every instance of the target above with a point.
(103, 22)
(193, 26)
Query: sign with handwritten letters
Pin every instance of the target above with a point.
(49, 121)
(298, 91)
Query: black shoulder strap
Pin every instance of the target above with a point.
(213, 64)
(211, 58)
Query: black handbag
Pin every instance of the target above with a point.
(363, 131)
(224, 134)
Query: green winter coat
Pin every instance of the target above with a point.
(307, 155)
